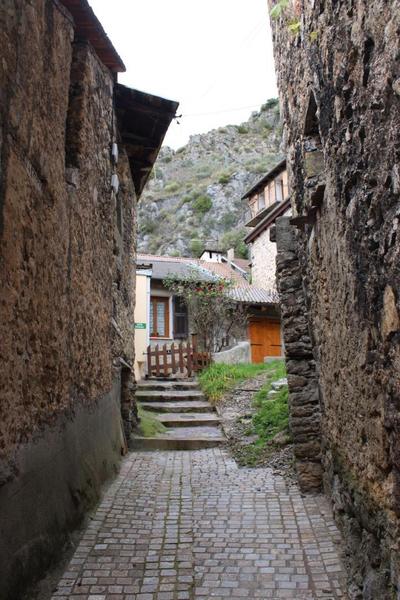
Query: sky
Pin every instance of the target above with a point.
(212, 56)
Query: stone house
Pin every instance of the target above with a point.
(76, 149)
(267, 200)
(338, 269)
(165, 319)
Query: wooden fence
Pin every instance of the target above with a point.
(170, 359)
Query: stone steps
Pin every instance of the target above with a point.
(178, 407)
(156, 385)
(169, 396)
(190, 420)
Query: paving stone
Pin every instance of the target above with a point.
(185, 525)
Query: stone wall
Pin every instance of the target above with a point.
(304, 402)
(263, 255)
(339, 81)
(241, 353)
(66, 249)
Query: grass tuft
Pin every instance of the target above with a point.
(219, 378)
(149, 425)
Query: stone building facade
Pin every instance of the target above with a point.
(267, 199)
(339, 81)
(69, 182)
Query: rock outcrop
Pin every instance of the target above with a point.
(194, 196)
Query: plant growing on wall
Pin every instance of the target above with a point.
(282, 9)
(213, 314)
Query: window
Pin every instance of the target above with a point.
(278, 190)
(159, 316)
(180, 318)
(261, 201)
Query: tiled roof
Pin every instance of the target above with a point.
(241, 290)
(150, 257)
(162, 266)
(242, 263)
(254, 295)
(225, 271)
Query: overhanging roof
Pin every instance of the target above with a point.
(143, 121)
(88, 27)
(281, 166)
(179, 269)
(279, 209)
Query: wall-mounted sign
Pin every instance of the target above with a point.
(140, 325)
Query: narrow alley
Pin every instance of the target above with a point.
(183, 525)
(199, 300)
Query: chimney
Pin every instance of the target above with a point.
(231, 254)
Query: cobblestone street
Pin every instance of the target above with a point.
(183, 525)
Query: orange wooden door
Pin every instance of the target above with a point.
(265, 339)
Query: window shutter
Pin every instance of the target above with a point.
(181, 326)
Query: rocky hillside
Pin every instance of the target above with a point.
(194, 196)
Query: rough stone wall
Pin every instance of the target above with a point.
(339, 81)
(263, 256)
(304, 403)
(66, 284)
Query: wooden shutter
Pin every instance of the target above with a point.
(181, 326)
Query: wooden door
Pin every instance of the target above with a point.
(265, 339)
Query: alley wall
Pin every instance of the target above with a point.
(339, 82)
(66, 285)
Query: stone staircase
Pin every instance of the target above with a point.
(182, 408)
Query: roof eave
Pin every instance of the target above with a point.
(88, 27)
(270, 175)
(267, 221)
(143, 120)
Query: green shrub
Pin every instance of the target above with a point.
(242, 129)
(203, 172)
(224, 178)
(228, 220)
(172, 187)
(196, 247)
(202, 204)
(147, 227)
(166, 159)
(234, 239)
(180, 150)
(271, 103)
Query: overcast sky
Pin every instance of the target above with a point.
(212, 56)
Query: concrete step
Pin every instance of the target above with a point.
(181, 438)
(166, 385)
(169, 396)
(182, 406)
(189, 419)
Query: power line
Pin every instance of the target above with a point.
(219, 112)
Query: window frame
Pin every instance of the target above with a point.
(153, 301)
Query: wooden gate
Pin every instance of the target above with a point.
(170, 359)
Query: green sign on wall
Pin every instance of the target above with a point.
(140, 325)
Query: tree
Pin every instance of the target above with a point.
(213, 314)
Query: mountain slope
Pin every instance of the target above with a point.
(194, 196)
